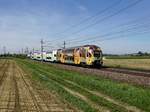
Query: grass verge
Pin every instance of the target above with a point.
(132, 95)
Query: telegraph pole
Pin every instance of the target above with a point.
(42, 48)
(33, 50)
(22, 51)
(4, 49)
(64, 44)
(27, 51)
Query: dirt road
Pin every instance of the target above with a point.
(18, 93)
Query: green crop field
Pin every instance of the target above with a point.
(139, 64)
(89, 93)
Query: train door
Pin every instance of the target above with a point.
(77, 56)
(89, 56)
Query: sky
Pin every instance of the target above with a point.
(117, 26)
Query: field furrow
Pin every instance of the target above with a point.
(19, 94)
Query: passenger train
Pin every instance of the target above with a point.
(81, 55)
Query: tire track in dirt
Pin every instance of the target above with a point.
(3, 69)
(127, 107)
(79, 95)
(4, 88)
(45, 100)
(108, 98)
(122, 104)
(19, 94)
(29, 89)
(17, 104)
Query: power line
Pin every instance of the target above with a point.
(137, 33)
(107, 17)
(4, 49)
(91, 17)
(112, 33)
(98, 37)
(64, 45)
(88, 18)
(107, 35)
(116, 37)
(42, 48)
(121, 25)
(103, 19)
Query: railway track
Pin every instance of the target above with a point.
(109, 69)
(123, 75)
(127, 71)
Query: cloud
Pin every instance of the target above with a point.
(82, 8)
(79, 5)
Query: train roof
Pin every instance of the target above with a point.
(81, 46)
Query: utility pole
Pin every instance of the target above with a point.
(64, 44)
(4, 50)
(42, 48)
(22, 51)
(33, 50)
(27, 51)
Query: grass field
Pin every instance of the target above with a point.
(139, 64)
(89, 93)
(127, 57)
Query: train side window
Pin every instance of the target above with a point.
(80, 55)
(89, 55)
(48, 57)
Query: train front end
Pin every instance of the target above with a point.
(94, 56)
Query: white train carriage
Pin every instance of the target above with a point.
(51, 56)
(44, 55)
(32, 56)
(37, 56)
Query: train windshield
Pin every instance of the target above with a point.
(97, 53)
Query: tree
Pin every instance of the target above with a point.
(140, 53)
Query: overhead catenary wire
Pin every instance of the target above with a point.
(108, 17)
(134, 27)
(127, 24)
(114, 37)
(90, 17)
(86, 20)
(116, 13)
(99, 37)
(105, 18)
